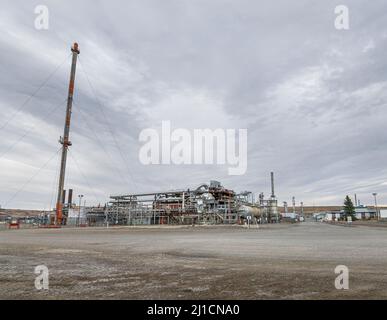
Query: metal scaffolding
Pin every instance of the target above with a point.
(207, 204)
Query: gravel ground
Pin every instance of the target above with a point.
(273, 262)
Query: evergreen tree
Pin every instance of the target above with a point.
(349, 209)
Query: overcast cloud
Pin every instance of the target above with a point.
(313, 98)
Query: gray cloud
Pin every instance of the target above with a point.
(312, 98)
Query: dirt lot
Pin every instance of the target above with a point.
(278, 261)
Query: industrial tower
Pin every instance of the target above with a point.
(64, 141)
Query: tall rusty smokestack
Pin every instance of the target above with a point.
(63, 196)
(66, 134)
(272, 184)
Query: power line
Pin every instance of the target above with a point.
(51, 111)
(100, 143)
(33, 94)
(107, 123)
(84, 177)
(53, 189)
(32, 177)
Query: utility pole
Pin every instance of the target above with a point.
(294, 204)
(376, 206)
(79, 208)
(64, 141)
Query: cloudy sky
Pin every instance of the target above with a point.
(313, 98)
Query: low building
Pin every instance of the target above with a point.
(361, 213)
(383, 213)
(333, 215)
(364, 213)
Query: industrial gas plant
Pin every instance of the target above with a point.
(207, 204)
